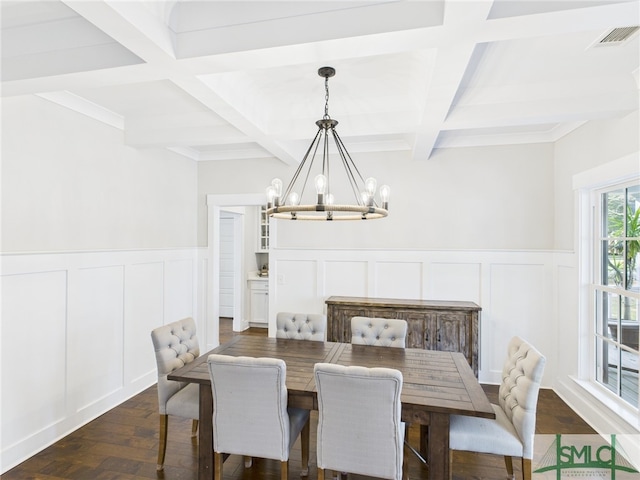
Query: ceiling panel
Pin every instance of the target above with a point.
(235, 80)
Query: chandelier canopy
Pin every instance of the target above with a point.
(287, 204)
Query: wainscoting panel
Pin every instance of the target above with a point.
(34, 311)
(339, 275)
(398, 279)
(520, 305)
(78, 327)
(297, 286)
(180, 288)
(144, 305)
(455, 281)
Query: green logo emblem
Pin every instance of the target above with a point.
(577, 458)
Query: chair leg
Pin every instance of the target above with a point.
(194, 428)
(320, 473)
(304, 447)
(526, 468)
(162, 446)
(405, 460)
(218, 459)
(284, 470)
(248, 461)
(450, 464)
(508, 461)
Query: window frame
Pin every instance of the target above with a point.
(598, 288)
(620, 171)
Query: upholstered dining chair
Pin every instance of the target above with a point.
(383, 332)
(359, 426)
(301, 326)
(175, 345)
(250, 412)
(511, 433)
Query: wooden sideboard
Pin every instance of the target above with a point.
(433, 325)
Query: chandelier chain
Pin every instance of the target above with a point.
(326, 98)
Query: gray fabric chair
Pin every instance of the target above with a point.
(382, 332)
(359, 426)
(175, 345)
(301, 326)
(250, 413)
(511, 433)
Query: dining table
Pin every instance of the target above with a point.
(436, 385)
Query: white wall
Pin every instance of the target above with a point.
(593, 144)
(70, 184)
(98, 248)
(467, 198)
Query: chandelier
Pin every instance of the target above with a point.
(287, 204)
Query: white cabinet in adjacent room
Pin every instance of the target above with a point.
(259, 303)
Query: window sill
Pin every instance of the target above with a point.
(611, 402)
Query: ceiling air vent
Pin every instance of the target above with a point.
(618, 35)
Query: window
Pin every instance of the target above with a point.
(617, 290)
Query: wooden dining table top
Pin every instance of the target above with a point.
(433, 381)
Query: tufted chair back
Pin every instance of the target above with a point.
(250, 412)
(175, 344)
(359, 420)
(301, 326)
(518, 393)
(381, 332)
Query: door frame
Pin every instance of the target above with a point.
(216, 203)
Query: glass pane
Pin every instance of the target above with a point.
(633, 236)
(613, 208)
(632, 266)
(607, 364)
(615, 267)
(630, 383)
(609, 316)
(629, 322)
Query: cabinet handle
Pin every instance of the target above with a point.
(438, 338)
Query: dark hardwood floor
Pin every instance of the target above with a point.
(123, 443)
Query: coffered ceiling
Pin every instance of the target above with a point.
(230, 80)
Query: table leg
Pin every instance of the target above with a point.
(205, 434)
(438, 446)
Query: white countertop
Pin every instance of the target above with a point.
(255, 275)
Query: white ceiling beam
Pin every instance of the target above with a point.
(600, 17)
(131, 25)
(209, 98)
(182, 136)
(541, 111)
(449, 69)
(85, 107)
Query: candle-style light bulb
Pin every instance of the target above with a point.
(321, 187)
(385, 191)
(271, 195)
(294, 199)
(370, 185)
(276, 183)
(321, 183)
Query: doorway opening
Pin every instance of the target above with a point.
(216, 204)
